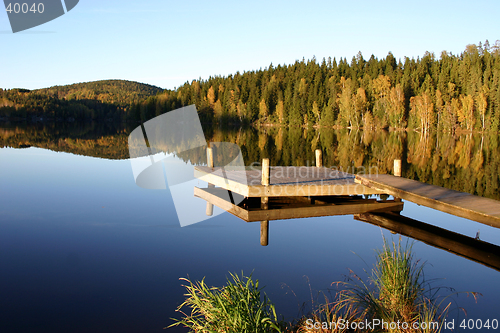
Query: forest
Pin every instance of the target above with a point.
(450, 93)
(99, 100)
(454, 92)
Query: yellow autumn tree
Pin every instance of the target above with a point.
(211, 96)
(422, 109)
(396, 107)
(360, 106)
(482, 104)
(241, 108)
(466, 112)
(381, 86)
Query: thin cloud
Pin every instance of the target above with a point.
(122, 11)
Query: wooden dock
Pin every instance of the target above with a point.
(276, 193)
(265, 209)
(284, 181)
(483, 210)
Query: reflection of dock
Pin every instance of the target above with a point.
(461, 204)
(277, 193)
(281, 208)
(383, 213)
(467, 247)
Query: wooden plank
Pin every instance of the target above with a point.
(235, 185)
(298, 209)
(284, 181)
(209, 196)
(473, 249)
(318, 211)
(483, 210)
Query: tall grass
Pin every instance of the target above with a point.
(240, 306)
(396, 291)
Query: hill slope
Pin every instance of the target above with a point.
(118, 92)
(108, 99)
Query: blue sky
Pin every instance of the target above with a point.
(167, 43)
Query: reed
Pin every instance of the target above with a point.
(396, 291)
(239, 306)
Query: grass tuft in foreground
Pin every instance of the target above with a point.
(240, 306)
(396, 291)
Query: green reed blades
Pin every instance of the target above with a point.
(237, 307)
(397, 290)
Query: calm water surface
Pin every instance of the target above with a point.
(83, 249)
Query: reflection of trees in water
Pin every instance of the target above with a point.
(468, 162)
(97, 139)
(459, 162)
(384, 148)
(420, 149)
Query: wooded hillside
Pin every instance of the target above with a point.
(448, 93)
(107, 99)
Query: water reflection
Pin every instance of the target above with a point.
(467, 162)
(377, 211)
(84, 249)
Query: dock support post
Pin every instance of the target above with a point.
(264, 203)
(210, 164)
(397, 168)
(210, 157)
(210, 209)
(319, 158)
(264, 200)
(264, 233)
(265, 171)
(397, 173)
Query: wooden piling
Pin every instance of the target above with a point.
(265, 171)
(264, 233)
(264, 203)
(319, 158)
(210, 157)
(210, 209)
(397, 168)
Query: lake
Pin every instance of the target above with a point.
(84, 249)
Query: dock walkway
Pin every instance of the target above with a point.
(472, 207)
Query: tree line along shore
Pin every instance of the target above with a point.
(450, 93)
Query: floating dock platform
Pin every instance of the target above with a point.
(284, 181)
